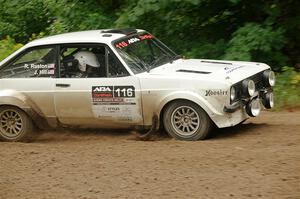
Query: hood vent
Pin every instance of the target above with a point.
(216, 62)
(193, 71)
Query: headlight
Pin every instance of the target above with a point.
(249, 87)
(268, 100)
(269, 78)
(253, 108)
(232, 93)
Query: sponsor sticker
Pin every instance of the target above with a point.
(114, 101)
(232, 68)
(215, 92)
(114, 95)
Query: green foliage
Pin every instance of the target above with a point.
(21, 18)
(8, 46)
(82, 15)
(287, 88)
(208, 50)
(256, 30)
(256, 42)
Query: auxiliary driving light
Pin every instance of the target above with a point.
(269, 78)
(249, 87)
(268, 100)
(232, 93)
(253, 108)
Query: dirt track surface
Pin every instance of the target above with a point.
(259, 159)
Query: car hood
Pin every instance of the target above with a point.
(232, 71)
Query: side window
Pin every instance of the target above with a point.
(89, 61)
(82, 61)
(115, 67)
(37, 62)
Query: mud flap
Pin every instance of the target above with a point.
(149, 135)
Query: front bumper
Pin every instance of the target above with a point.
(262, 96)
(234, 107)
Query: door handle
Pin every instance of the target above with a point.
(63, 85)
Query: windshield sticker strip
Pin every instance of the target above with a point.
(131, 40)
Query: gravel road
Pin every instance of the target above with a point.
(258, 159)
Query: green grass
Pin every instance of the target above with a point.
(287, 89)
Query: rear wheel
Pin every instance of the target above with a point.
(15, 125)
(185, 120)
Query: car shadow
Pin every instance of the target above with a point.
(241, 129)
(161, 135)
(80, 134)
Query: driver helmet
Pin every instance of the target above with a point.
(86, 58)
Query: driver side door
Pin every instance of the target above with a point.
(109, 98)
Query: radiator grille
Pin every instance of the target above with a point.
(259, 84)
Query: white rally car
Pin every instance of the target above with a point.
(125, 78)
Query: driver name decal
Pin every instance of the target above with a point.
(39, 66)
(41, 69)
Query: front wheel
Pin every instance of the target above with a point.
(185, 120)
(15, 125)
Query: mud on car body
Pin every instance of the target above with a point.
(125, 78)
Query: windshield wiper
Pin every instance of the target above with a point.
(139, 63)
(155, 62)
(175, 58)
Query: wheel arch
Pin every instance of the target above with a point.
(191, 97)
(13, 101)
(21, 101)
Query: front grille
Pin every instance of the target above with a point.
(259, 84)
(258, 80)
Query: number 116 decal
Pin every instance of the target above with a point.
(124, 91)
(113, 91)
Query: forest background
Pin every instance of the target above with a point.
(250, 30)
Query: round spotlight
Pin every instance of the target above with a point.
(269, 78)
(249, 87)
(253, 108)
(232, 93)
(268, 100)
(272, 79)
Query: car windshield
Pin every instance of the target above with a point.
(142, 52)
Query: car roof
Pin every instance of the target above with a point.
(105, 36)
(91, 36)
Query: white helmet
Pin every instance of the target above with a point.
(86, 58)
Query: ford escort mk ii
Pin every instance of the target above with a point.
(125, 78)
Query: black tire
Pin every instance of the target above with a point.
(193, 123)
(15, 125)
